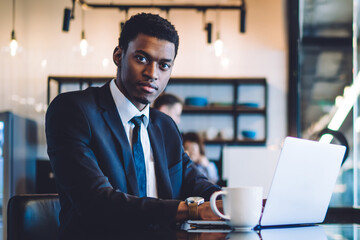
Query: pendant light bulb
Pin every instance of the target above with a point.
(218, 46)
(83, 44)
(13, 44)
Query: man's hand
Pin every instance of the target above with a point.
(205, 212)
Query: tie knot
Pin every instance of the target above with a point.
(137, 120)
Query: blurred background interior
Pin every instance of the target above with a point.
(249, 72)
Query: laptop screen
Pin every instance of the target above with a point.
(303, 182)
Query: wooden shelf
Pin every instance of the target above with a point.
(228, 106)
(221, 110)
(207, 110)
(216, 108)
(251, 110)
(235, 142)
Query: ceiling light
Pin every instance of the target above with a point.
(13, 43)
(242, 17)
(66, 21)
(68, 15)
(83, 44)
(208, 29)
(218, 46)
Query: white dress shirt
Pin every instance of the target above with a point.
(127, 111)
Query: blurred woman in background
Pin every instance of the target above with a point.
(195, 148)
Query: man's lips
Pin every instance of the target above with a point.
(148, 87)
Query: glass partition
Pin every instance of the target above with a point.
(323, 62)
(355, 165)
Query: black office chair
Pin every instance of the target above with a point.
(33, 216)
(340, 138)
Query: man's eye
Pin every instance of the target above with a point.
(165, 66)
(141, 59)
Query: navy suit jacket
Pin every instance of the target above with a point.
(94, 169)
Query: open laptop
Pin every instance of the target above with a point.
(302, 185)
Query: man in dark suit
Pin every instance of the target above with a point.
(90, 139)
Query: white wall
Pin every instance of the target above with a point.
(251, 166)
(46, 50)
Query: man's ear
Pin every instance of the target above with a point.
(117, 56)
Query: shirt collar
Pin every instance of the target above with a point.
(127, 109)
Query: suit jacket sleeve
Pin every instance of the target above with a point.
(195, 182)
(87, 197)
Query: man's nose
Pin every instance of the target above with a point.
(152, 71)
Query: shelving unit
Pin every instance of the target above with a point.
(72, 80)
(225, 96)
(232, 107)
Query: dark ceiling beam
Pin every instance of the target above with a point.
(167, 7)
(162, 7)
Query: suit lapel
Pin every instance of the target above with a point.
(112, 118)
(161, 165)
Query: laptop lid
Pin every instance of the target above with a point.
(303, 183)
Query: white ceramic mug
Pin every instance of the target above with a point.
(242, 206)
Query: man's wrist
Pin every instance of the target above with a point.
(193, 204)
(182, 212)
(193, 211)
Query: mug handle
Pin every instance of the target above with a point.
(214, 207)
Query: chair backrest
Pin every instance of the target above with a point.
(33, 216)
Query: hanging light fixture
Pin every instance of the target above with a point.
(218, 44)
(83, 43)
(69, 15)
(242, 16)
(207, 28)
(13, 43)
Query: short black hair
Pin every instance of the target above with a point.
(151, 25)
(166, 99)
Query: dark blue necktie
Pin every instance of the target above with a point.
(138, 154)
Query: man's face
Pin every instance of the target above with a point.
(145, 69)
